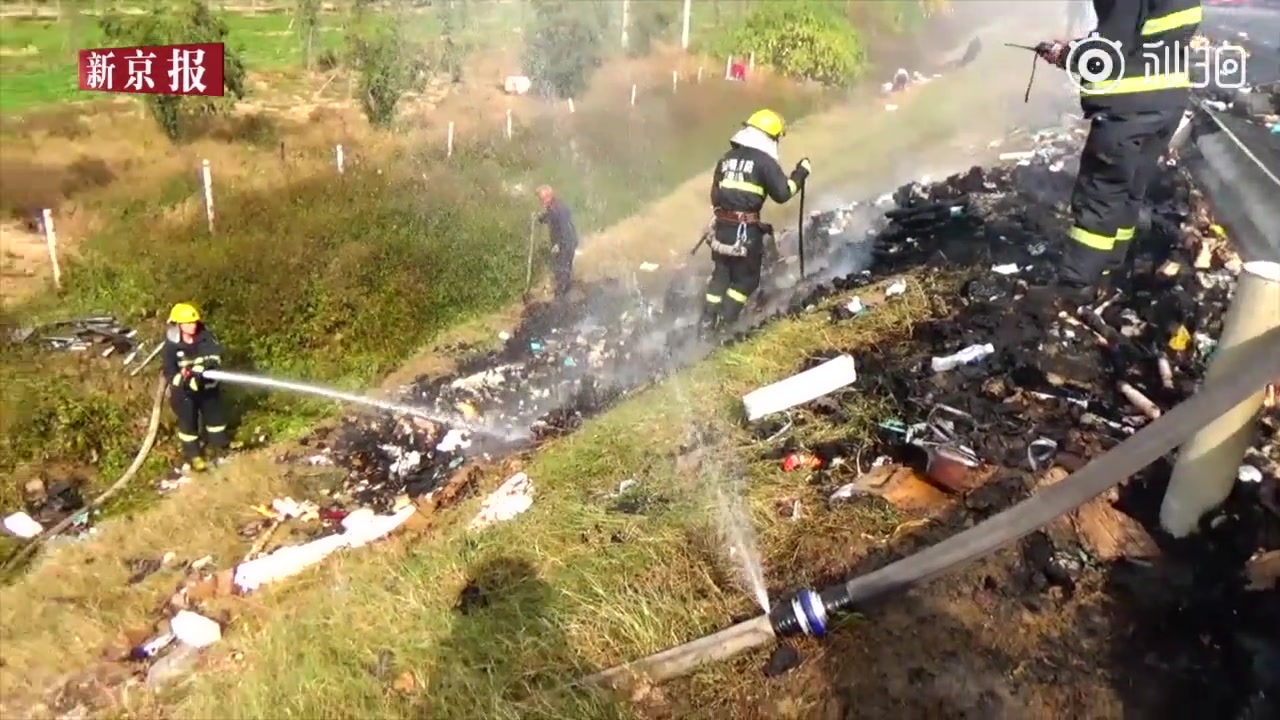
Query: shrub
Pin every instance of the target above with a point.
(804, 39)
(388, 64)
(652, 21)
(566, 45)
(189, 22)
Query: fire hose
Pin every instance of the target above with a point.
(812, 613)
(153, 427)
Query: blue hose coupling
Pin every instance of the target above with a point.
(806, 614)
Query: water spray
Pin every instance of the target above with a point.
(236, 378)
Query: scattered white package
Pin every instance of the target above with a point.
(799, 389)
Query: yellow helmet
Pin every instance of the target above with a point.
(184, 313)
(768, 122)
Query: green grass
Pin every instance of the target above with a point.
(576, 586)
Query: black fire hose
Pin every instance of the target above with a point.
(811, 613)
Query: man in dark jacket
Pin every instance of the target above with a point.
(190, 349)
(744, 177)
(564, 238)
(1134, 89)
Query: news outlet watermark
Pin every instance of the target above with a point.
(1100, 65)
(194, 69)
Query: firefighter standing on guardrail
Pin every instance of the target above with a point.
(190, 349)
(1134, 88)
(744, 177)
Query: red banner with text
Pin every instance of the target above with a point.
(154, 69)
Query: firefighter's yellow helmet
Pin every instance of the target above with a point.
(184, 313)
(768, 122)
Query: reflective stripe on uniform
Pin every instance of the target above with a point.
(791, 184)
(743, 186)
(736, 296)
(215, 428)
(714, 299)
(1124, 233)
(187, 438)
(1172, 21)
(1141, 83)
(202, 360)
(1092, 240)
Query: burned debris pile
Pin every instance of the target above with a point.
(101, 334)
(991, 395)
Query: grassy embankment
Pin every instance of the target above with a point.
(337, 280)
(609, 601)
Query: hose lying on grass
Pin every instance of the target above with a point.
(147, 443)
(1102, 473)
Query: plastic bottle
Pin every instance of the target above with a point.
(964, 357)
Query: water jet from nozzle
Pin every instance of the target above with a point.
(260, 381)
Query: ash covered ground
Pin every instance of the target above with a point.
(1167, 626)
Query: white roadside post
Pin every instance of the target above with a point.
(508, 123)
(206, 174)
(675, 81)
(449, 142)
(571, 110)
(51, 241)
(1208, 464)
(338, 157)
(633, 95)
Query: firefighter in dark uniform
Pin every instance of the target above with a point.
(1133, 115)
(190, 349)
(744, 177)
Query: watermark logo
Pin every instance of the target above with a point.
(1098, 61)
(194, 69)
(1100, 65)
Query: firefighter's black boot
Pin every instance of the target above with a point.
(709, 323)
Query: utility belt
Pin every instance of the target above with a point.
(741, 243)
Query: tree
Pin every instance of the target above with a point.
(308, 20)
(652, 21)
(189, 23)
(388, 65)
(803, 39)
(452, 21)
(566, 45)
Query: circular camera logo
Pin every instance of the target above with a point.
(1097, 63)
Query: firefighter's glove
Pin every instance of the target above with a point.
(1055, 52)
(801, 173)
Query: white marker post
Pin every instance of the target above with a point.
(206, 174)
(751, 62)
(699, 74)
(728, 66)
(675, 81)
(449, 143)
(337, 154)
(633, 95)
(571, 110)
(51, 241)
(508, 123)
